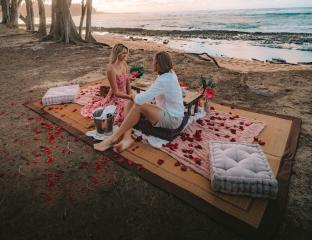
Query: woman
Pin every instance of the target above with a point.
(120, 88)
(167, 113)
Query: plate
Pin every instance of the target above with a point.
(98, 136)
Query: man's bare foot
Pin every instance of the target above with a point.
(124, 144)
(104, 145)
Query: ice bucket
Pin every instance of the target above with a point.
(103, 124)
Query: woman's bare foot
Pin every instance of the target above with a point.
(124, 144)
(104, 145)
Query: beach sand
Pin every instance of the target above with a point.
(34, 204)
(235, 64)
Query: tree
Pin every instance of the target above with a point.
(42, 30)
(5, 11)
(89, 37)
(9, 12)
(30, 15)
(62, 26)
(83, 13)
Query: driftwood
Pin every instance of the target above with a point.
(212, 58)
(23, 18)
(305, 63)
(205, 59)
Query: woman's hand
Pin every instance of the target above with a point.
(132, 96)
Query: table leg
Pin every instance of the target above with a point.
(196, 107)
(189, 108)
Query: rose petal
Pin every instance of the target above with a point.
(233, 131)
(183, 168)
(139, 166)
(46, 197)
(177, 164)
(139, 139)
(93, 179)
(49, 160)
(261, 142)
(160, 161)
(120, 160)
(50, 183)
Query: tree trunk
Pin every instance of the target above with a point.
(30, 16)
(42, 30)
(53, 16)
(83, 13)
(5, 7)
(63, 27)
(13, 16)
(89, 37)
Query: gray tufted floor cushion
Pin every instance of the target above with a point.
(241, 169)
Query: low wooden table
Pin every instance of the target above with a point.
(190, 99)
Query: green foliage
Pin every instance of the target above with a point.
(210, 83)
(138, 69)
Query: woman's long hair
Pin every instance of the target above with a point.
(116, 51)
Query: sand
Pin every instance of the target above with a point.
(239, 65)
(79, 194)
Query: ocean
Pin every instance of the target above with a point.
(297, 20)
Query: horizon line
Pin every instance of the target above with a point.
(217, 9)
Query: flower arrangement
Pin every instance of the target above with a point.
(136, 71)
(208, 90)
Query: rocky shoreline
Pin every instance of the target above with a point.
(259, 37)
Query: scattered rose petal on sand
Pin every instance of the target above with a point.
(97, 166)
(120, 160)
(46, 197)
(94, 179)
(138, 166)
(49, 160)
(50, 183)
(83, 165)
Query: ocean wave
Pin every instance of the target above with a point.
(240, 26)
(289, 14)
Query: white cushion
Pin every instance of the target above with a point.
(241, 169)
(59, 95)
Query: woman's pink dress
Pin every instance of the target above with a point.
(110, 99)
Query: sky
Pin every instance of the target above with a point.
(183, 5)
